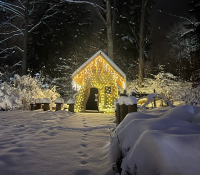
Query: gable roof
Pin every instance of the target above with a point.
(107, 59)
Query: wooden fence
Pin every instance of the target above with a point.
(123, 110)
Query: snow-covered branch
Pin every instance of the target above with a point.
(87, 2)
(98, 12)
(9, 37)
(10, 24)
(8, 4)
(22, 4)
(181, 17)
(34, 27)
(11, 48)
(10, 8)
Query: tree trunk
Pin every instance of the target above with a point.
(109, 30)
(25, 41)
(141, 52)
(114, 20)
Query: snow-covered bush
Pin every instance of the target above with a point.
(192, 96)
(165, 84)
(158, 144)
(8, 99)
(21, 91)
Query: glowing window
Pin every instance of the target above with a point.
(107, 89)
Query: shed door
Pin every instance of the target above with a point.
(91, 103)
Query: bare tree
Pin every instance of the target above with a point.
(107, 22)
(141, 46)
(22, 12)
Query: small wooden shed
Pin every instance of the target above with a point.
(98, 78)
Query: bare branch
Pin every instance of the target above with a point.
(98, 12)
(9, 32)
(86, 2)
(9, 37)
(8, 4)
(35, 27)
(145, 3)
(177, 16)
(18, 29)
(11, 48)
(21, 15)
(30, 12)
(22, 4)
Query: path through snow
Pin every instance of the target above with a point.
(54, 143)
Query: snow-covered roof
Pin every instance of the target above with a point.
(109, 61)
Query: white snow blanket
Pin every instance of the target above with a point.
(54, 143)
(71, 101)
(38, 100)
(159, 143)
(59, 100)
(46, 100)
(127, 100)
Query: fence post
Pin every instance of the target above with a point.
(59, 102)
(132, 108)
(38, 103)
(123, 111)
(46, 102)
(71, 103)
(71, 107)
(154, 98)
(32, 106)
(118, 114)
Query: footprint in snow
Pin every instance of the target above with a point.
(84, 145)
(84, 155)
(52, 133)
(83, 162)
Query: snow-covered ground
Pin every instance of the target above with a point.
(54, 143)
(163, 141)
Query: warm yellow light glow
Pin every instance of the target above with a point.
(98, 74)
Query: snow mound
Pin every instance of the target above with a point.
(59, 100)
(172, 152)
(71, 101)
(46, 100)
(127, 100)
(158, 143)
(184, 113)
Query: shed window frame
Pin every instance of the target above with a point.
(108, 88)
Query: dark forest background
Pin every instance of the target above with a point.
(74, 33)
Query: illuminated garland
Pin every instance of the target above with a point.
(98, 74)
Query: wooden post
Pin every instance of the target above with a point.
(32, 106)
(132, 108)
(71, 107)
(58, 106)
(123, 112)
(118, 114)
(38, 106)
(46, 106)
(154, 98)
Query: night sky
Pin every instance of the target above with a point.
(165, 21)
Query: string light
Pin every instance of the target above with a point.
(98, 74)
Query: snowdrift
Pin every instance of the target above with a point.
(161, 144)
